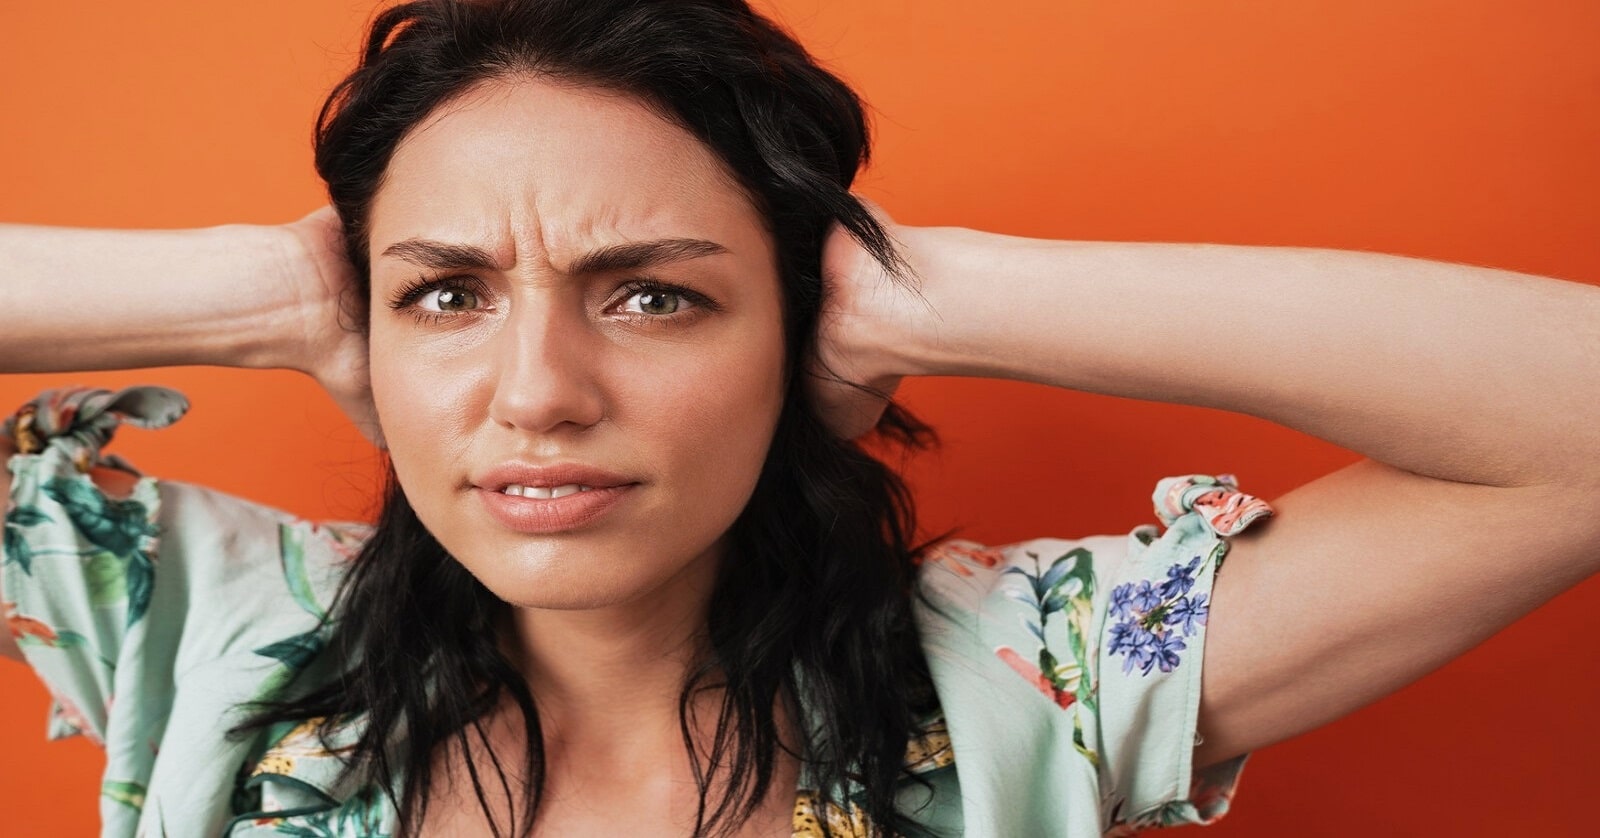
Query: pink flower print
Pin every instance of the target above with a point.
(28, 630)
(1034, 676)
(345, 539)
(22, 627)
(955, 557)
(1227, 512)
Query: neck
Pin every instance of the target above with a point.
(607, 684)
(607, 681)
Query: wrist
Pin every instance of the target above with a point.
(208, 298)
(923, 334)
(265, 331)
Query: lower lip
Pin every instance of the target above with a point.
(542, 516)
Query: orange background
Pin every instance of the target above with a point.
(1458, 130)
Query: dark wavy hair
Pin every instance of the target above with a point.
(816, 613)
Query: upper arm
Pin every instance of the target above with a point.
(8, 644)
(1367, 579)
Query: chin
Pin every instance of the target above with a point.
(575, 578)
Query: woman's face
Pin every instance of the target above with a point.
(572, 300)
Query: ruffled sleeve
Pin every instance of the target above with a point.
(93, 554)
(1069, 669)
(153, 618)
(1151, 633)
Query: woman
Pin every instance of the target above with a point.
(593, 274)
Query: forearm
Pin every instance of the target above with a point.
(1450, 371)
(113, 299)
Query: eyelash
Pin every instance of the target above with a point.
(407, 296)
(700, 303)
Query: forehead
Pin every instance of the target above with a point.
(548, 169)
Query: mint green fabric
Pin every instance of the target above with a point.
(1068, 670)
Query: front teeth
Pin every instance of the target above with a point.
(545, 492)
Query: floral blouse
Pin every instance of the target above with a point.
(1067, 670)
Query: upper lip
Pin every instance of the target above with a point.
(496, 479)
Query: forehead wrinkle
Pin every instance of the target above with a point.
(572, 212)
(573, 239)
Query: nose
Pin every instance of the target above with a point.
(547, 365)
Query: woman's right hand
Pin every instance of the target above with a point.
(333, 344)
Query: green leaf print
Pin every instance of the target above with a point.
(296, 651)
(1048, 665)
(31, 553)
(127, 793)
(17, 547)
(1081, 572)
(26, 516)
(108, 584)
(357, 818)
(18, 550)
(1058, 571)
(120, 526)
(293, 552)
(66, 639)
(312, 827)
(1065, 587)
(55, 639)
(141, 584)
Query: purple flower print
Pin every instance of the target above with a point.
(1164, 649)
(1149, 650)
(1140, 649)
(1121, 600)
(1154, 618)
(1121, 637)
(1188, 613)
(1180, 579)
(1145, 596)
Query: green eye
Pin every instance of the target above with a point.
(657, 301)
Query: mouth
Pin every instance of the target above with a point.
(546, 499)
(574, 510)
(544, 492)
(523, 479)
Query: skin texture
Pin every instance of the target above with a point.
(551, 366)
(533, 360)
(1468, 390)
(1331, 604)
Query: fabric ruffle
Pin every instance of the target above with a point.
(1215, 498)
(81, 420)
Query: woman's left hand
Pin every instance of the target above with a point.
(330, 345)
(865, 313)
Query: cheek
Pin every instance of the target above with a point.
(716, 423)
(692, 417)
(423, 407)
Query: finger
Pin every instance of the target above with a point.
(848, 409)
(362, 413)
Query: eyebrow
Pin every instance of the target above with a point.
(442, 256)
